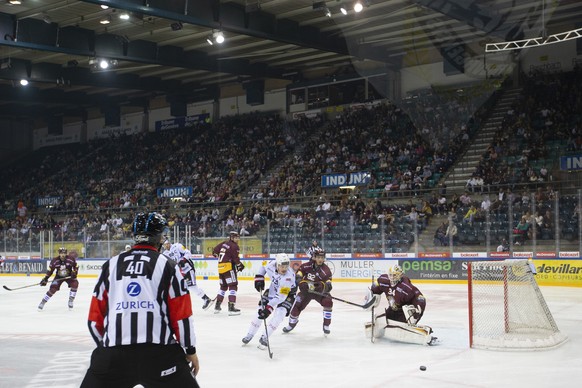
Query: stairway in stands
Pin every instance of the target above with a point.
(457, 178)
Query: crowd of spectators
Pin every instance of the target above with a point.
(101, 183)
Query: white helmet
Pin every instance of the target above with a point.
(282, 259)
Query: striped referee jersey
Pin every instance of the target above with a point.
(141, 297)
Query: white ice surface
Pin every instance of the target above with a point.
(52, 348)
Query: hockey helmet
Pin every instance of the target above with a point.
(127, 247)
(233, 234)
(282, 261)
(395, 274)
(318, 256)
(150, 228)
(62, 250)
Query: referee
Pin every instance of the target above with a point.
(141, 317)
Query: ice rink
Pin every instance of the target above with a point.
(52, 348)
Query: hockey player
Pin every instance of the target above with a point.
(183, 257)
(166, 248)
(277, 300)
(67, 269)
(313, 275)
(229, 264)
(406, 305)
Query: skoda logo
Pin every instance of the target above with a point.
(133, 289)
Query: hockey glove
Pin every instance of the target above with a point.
(327, 287)
(411, 313)
(264, 313)
(259, 283)
(44, 281)
(240, 267)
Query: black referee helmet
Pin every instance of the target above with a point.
(150, 228)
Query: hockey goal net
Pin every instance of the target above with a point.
(507, 310)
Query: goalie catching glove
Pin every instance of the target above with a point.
(412, 313)
(371, 296)
(259, 283)
(264, 313)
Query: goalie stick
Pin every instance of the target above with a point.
(373, 319)
(30, 285)
(365, 306)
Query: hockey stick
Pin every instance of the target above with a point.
(373, 319)
(365, 306)
(266, 330)
(30, 285)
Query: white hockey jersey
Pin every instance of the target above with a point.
(176, 252)
(281, 285)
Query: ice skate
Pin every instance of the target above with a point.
(262, 343)
(71, 303)
(206, 303)
(433, 341)
(247, 339)
(326, 330)
(288, 328)
(232, 310)
(41, 305)
(217, 308)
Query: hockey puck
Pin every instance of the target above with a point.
(422, 367)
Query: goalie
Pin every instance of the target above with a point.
(406, 305)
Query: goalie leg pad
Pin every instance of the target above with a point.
(401, 332)
(379, 327)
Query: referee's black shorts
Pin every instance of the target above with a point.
(151, 365)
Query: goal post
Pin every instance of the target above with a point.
(507, 310)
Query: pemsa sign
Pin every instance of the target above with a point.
(353, 179)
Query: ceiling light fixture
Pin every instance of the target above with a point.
(358, 7)
(209, 39)
(176, 26)
(343, 10)
(124, 15)
(23, 82)
(219, 37)
(104, 6)
(105, 20)
(14, 2)
(327, 12)
(102, 63)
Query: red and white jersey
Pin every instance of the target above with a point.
(141, 297)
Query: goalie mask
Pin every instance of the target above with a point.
(395, 274)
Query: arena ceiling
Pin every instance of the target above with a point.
(162, 49)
